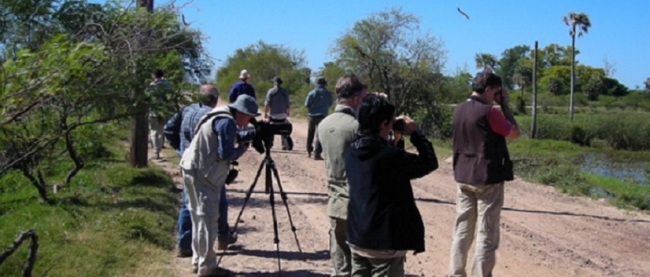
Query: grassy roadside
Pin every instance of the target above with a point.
(112, 220)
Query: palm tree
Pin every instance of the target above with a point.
(581, 22)
(485, 61)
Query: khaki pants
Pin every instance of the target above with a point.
(156, 133)
(203, 198)
(339, 249)
(367, 267)
(482, 204)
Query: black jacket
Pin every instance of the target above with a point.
(382, 214)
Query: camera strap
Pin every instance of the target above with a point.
(210, 115)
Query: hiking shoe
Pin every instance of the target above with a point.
(222, 245)
(184, 253)
(195, 268)
(318, 157)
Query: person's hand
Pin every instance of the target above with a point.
(381, 94)
(409, 125)
(502, 97)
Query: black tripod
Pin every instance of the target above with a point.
(270, 169)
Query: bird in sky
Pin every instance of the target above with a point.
(461, 12)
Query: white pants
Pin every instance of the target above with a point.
(203, 197)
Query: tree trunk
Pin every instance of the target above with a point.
(139, 147)
(78, 163)
(39, 183)
(573, 63)
(533, 127)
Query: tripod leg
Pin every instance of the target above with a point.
(284, 200)
(269, 188)
(248, 196)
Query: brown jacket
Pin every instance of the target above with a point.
(480, 155)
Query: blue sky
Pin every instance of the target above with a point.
(620, 29)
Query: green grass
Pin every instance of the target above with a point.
(553, 163)
(112, 220)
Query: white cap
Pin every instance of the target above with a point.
(244, 74)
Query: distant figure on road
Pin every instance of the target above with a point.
(481, 166)
(318, 103)
(241, 87)
(159, 94)
(277, 109)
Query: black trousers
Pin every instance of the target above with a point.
(287, 141)
(311, 133)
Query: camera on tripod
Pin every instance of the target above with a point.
(262, 138)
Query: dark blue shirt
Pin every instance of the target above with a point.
(227, 134)
(240, 88)
(191, 116)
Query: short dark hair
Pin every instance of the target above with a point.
(374, 110)
(209, 96)
(158, 73)
(484, 80)
(349, 85)
(321, 81)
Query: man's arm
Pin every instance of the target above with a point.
(415, 166)
(502, 99)
(308, 99)
(226, 131)
(232, 95)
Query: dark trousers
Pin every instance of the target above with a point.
(287, 141)
(311, 133)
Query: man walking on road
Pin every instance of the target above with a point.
(241, 87)
(159, 93)
(336, 133)
(318, 102)
(277, 109)
(481, 165)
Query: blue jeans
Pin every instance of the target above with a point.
(184, 236)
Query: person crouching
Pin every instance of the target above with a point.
(383, 219)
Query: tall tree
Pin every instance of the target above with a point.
(647, 85)
(581, 23)
(486, 61)
(388, 52)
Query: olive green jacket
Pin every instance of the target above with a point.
(335, 133)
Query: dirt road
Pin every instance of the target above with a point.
(543, 233)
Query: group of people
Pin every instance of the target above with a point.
(374, 219)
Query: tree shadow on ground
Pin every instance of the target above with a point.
(438, 201)
(286, 255)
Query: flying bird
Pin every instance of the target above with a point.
(461, 12)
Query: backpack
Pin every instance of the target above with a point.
(172, 130)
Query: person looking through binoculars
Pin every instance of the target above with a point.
(383, 219)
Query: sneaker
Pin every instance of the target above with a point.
(222, 245)
(195, 268)
(184, 253)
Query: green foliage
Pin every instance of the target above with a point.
(619, 130)
(78, 67)
(263, 62)
(556, 163)
(112, 220)
(387, 51)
